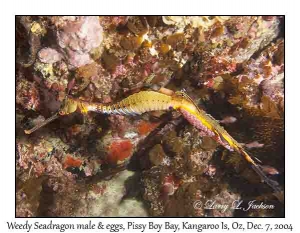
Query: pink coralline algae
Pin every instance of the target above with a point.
(77, 38)
(49, 55)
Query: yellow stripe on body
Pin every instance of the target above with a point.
(191, 108)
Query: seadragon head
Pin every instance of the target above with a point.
(68, 106)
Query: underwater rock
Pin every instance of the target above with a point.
(108, 198)
(222, 204)
(78, 37)
(185, 160)
(195, 22)
(197, 162)
(189, 198)
(27, 95)
(54, 75)
(151, 180)
(33, 32)
(49, 55)
(28, 197)
(259, 89)
(176, 41)
(173, 144)
(137, 25)
(157, 155)
(218, 54)
(38, 164)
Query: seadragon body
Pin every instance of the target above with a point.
(136, 104)
(146, 101)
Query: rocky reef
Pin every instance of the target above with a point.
(155, 164)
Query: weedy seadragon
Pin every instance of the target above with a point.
(164, 99)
